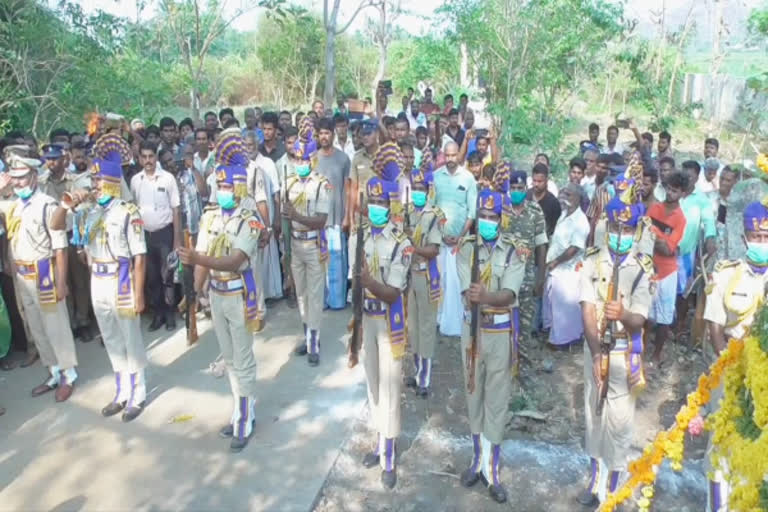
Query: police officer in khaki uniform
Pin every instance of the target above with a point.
(55, 182)
(39, 253)
(609, 435)
(227, 249)
(113, 237)
(307, 208)
(425, 230)
(734, 295)
(384, 279)
(501, 275)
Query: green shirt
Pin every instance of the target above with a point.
(697, 209)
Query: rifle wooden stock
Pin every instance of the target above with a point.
(188, 272)
(287, 226)
(474, 325)
(608, 331)
(356, 340)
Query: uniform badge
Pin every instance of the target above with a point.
(46, 281)
(255, 224)
(138, 226)
(328, 185)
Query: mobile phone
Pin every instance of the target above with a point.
(622, 123)
(386, 86)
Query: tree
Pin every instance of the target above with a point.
(330, 22)
(196, 25)
(381, 31)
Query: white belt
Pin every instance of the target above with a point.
(232, 284)
(104, 268)
(421, 266)
(621, 344)
(497, 319)
(305, 235)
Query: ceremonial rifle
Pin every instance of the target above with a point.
(474, 325)
(287, 226)
(608, 331)
(190, 296)
(356, 340)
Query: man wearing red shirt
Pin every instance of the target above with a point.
(668, 226)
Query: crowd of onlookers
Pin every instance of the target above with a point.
(687, 199)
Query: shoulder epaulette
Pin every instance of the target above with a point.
(245, 213)
(510, 239)
(210, 207)
(399, 236)
(591, 251)
(439, 213)
(130, 207)
(723, 264)
(645, 261)
(467, 239)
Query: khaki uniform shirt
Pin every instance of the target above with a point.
(123, 235)
(362, 167)
(733, 296)
(387, 254)
(309, 196)
(34, 239)
(506, 272)
(426, 228)
(635, 271)
(241, 232)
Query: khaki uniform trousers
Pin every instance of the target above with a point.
(309, 281)
(488, 405)
(422, 316)
(50, 330)
(383, 375)
(236, 345)
(121, 334)
(79, 289)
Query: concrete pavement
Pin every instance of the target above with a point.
(67, 457)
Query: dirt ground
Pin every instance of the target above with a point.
(543, 464)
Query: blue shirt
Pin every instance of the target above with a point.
(456, 196)
(259, 134)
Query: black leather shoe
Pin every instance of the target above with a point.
(313, 359)
(170, 322)
(238, 444)
(371, 460)
(131, 413)
(469, 478)
(410, 382)
(498, 494)
(227, 431)
(422, 392)
(588, 499)
(157, 323)
(112, 408)
(389, 478)
(300, 350)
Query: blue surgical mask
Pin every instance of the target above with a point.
(104, 199)
(23, 192)
(517, 196)
(622, 246)
(377, 214)
(757, 253)
(226, 199)
(489, 229)
(302, 170)
(419, 197)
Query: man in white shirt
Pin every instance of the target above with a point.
(157, 196)
(613, 145)
(561, 311)
(342, 140)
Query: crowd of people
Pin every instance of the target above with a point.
(99, 226)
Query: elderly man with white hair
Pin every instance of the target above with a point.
(561, 311)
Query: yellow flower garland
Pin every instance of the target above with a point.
(669, 443)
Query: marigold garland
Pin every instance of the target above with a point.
(669, 443)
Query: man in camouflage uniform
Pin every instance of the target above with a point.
(527, 225)
(609, 434)
(425, 230)
(737, 289)
(226, 251)
(501, 274)
(384, 279)
(307, 209)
